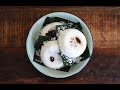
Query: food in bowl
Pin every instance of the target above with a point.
(50, 55)
(72, 42)
(60, 44)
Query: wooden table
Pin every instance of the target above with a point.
(104, 65)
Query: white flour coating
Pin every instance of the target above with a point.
(51, 49)
(72, 42)
(49, 27)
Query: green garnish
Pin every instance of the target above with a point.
(54, 19)
(86, 54)
(40, 41)
(76, 25)
(38, 46)
(66, 62)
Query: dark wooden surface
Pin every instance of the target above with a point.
(104, 65)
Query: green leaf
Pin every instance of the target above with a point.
(38, 46)
(79, 27)
(53, 19)
(40, 41)
(66, 69)
(58, 19)
(65, 61)
(63, 27)
(86, 54)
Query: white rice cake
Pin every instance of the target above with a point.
(72, 42)
(49, 55)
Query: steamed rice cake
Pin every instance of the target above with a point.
(49, 55)
(72, 42)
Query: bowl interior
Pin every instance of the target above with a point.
(31, 42)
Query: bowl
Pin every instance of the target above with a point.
(30, 42)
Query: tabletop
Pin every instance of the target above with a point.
(103, 22)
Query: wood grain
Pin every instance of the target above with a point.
(104, 65)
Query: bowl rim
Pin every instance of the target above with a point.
(79, 20)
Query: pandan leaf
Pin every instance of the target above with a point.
(61, 27)
(86, 54)
(66, 26)
(48, 20)
(40, 41)
(65, 61)
(38, 46)
(79, 27)
(66, 69)
(53, 19)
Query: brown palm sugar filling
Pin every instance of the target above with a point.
(78, 40)
(51, 59)
(51, 33)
